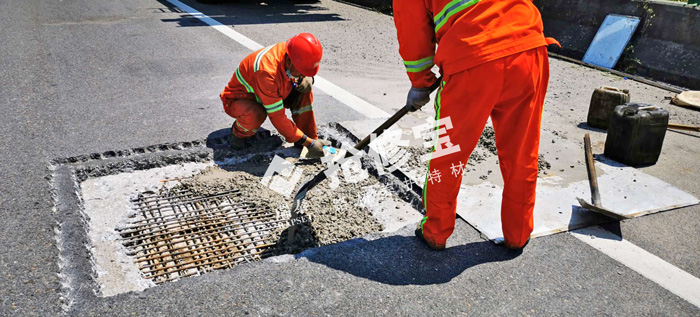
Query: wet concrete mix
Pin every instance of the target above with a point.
(485, 149)
(330, 214)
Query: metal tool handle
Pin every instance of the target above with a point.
(390, 122)
(301, 192)
(592, 176)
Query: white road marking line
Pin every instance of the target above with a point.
(340, 94)
(648, 265)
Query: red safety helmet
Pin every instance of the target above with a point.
(305, 51)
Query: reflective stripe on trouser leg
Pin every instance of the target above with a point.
(240, 126)
(436, 136)
(249, 116)
(467, 99)
(517, 119)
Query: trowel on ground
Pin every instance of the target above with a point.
(596, 205)
(305, 187)
(327, 150)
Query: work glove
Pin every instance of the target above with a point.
(417, 98)
(316, 148)
(304, 84)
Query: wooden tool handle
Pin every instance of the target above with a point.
(592, 176)
(683, 127)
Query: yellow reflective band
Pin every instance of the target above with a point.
(248, 88)
(259, 57)
(423, 222)
(302, 110)
(451, 9)
(240, 126)
(438, 105)
(277, 106)
(419, 65)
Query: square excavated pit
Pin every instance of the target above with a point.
(133, 219)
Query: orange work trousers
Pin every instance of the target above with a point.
(511, 91)
(250, 114)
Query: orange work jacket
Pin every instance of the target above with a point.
(262, 73)
(467, 33)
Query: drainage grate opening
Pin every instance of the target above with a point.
(179, 233)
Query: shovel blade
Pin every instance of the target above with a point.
(600, 210)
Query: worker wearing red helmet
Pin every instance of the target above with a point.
(493, 59)
(270, 80)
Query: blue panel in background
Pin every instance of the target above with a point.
(611, 39)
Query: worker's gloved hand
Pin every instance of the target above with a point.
(304, 85)
(316, 148)
(417, 98)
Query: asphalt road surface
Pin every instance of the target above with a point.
(81, 76)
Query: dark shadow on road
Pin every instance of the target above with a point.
(246, 12)
(601, 158)
(401, 260)
(584, 218)
(585, 126)
(614, 228)
(262, 142)
(608, 231)
(684, 133)
(213, 137)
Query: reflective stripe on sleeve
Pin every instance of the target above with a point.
(451, 9)
(419, 65)
(259, 57)
(277, 106)
(301, 110)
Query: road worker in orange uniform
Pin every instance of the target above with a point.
(493, 59)
(270, 80)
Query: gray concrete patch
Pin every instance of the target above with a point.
(77, 271)
(93, 194)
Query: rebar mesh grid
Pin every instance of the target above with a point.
(180, 233)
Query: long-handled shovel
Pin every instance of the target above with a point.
(597, 206)
(305, 187)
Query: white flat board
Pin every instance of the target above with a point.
(610, 41)
(624, 190)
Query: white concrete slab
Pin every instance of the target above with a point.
(624, 190)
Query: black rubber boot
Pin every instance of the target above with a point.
(234, 142)
(515, 251)
(433, 246)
